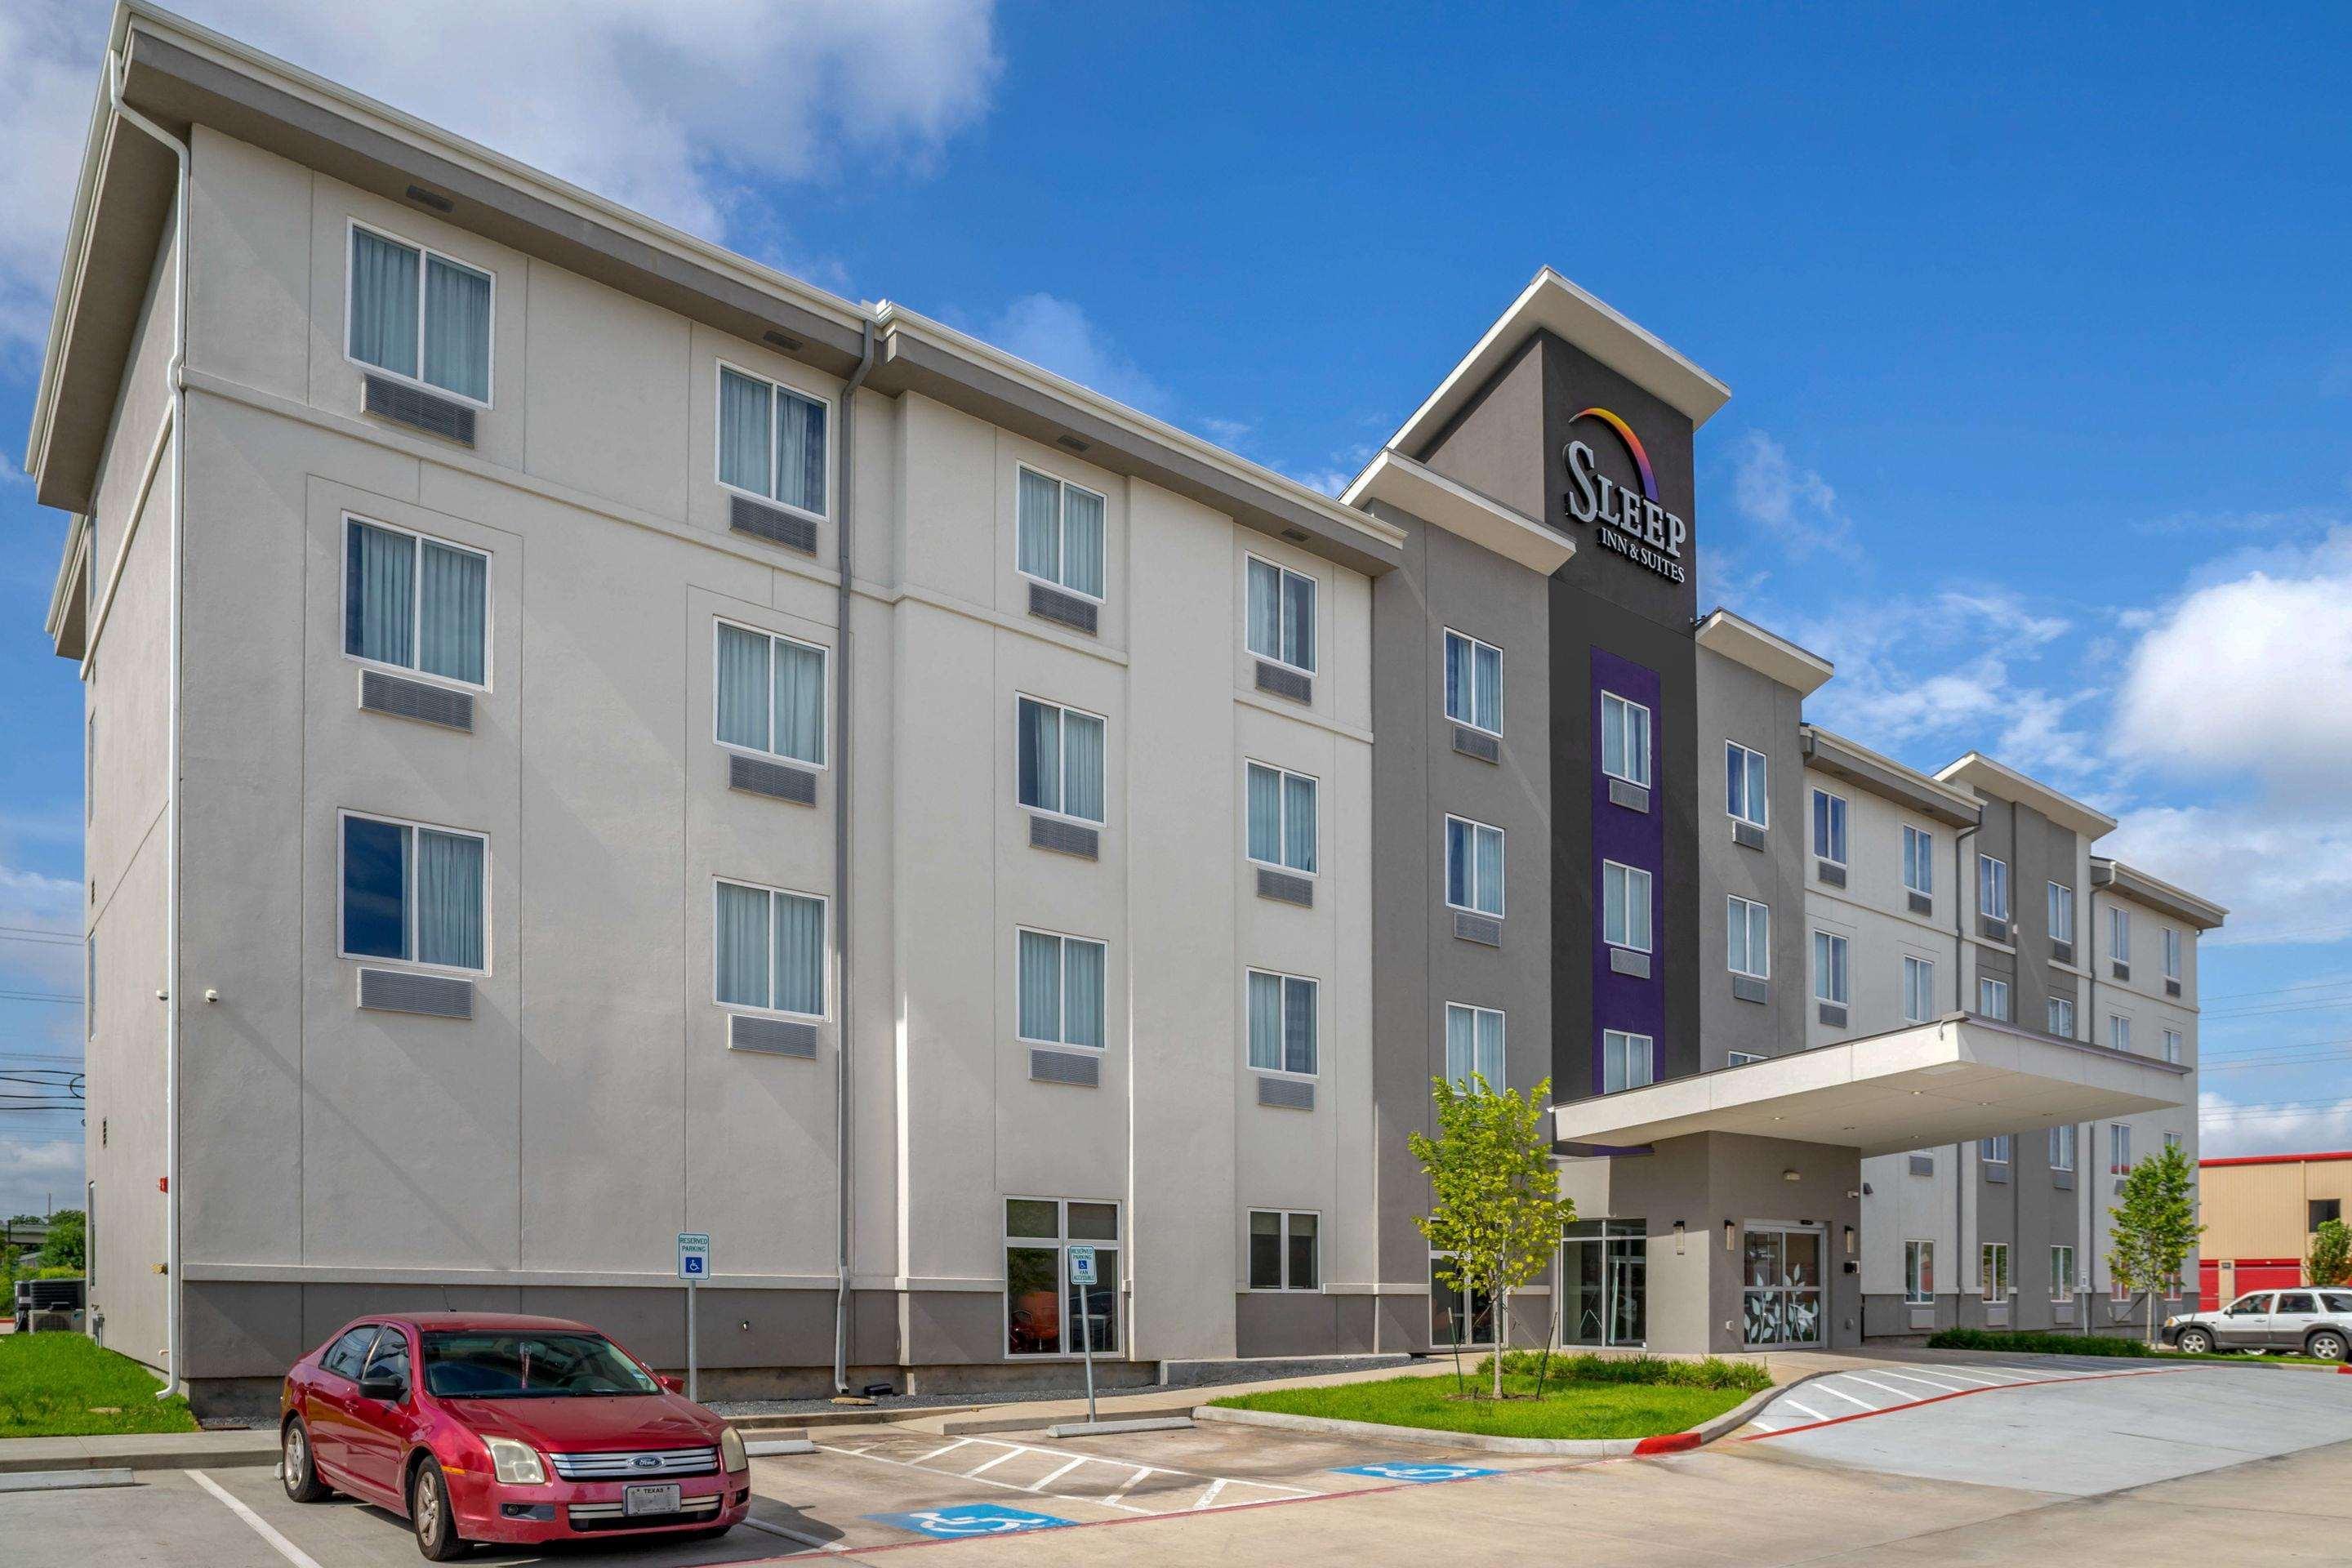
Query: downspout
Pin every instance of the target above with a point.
(176, 378)
(1960, 1005)
(2088, 1176)
(842, 708)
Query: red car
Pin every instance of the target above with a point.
(484, 1426)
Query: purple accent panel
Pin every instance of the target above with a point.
(1636, 838)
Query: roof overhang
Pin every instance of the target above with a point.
(1866, 769)
(1551, 303)
(1775, 658)
(1958, 1077)
(1982, 773)
(2162, 897)
(67, 622)
(1397, 480)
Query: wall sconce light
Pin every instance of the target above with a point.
(1730, 1235)
(1791, 1176)
(1849, 1241)
(1679, 1238)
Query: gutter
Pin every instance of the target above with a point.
(1960, 1005)
(842, 709)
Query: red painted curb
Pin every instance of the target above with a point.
(2344, 1372)
(1960, 1394)
(1676, 1442)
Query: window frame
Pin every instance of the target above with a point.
(1649, 908)
(2062, 898)
(1924, 857)
(1995, 1270)
(1609, 1038)
(1447, 702)
(2172, 952)
(2050, 1017)
(1762, 824)
(1992, 871)
(721, 365)
(824, 738)
(1834, 818)
(1988, 987)
(1282, 1236)
(1282, 605)
(1065, 938)
(344, 814)
(1649, 721)
(1919, 1272)
(1061, 533)
(418, 539)
(2119, 1032)
(824, 968)
(2119, 924)
(2119, 1154)
(2061, 1274)
(1061, 1242)
(352, 225)
(1446, 857)
(1497, 1080)
(2062, 1150)
(1744, 908)
(1061, 761)
(1840, 948)
(1315, 1037)
(1282, 825)
(1926, 968)
(2176, 1046)
(1997, 1149)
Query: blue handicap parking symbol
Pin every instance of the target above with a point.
(1410, 1472)
(968, 1519)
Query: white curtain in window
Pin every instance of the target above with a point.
(1041, 987)
(1265, 814)
(449, 899)
(1488, 686)
(1038, 548)
(800, 701)
(1082, 990)
(743, 433)
(451, 612)
(1266, 1022)
(1265, 610)
(381, 579)
(1489, 847)
(457, 329)
(1040, 741)
(1298, 620)
(1457, 863)
(1490, 1048)
(1298, 1026)
(1461, 1044)
(742, 942)
(1298, 823)
(1461, 701)
(743, 688)
(1082, 540)
(383, 303)
(1082, 766)
(800, 954)
(800, 451)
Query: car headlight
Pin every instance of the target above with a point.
(516, 1463)
(731, 1457)
(2172, 1322)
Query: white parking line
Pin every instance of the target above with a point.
(983, 1480)
(1209, 1497)
(935, 1452)
(1011, 1453)
(1904, 1395)
(1794, 1405)
(1831, 1388)
(1057, 1475)
(1767, 1425)
(262, 1527)
(1923, 1380)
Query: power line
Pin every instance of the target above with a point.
(37, 996)
(2308, 985)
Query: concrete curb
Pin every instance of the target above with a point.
(1575, 1448)
(1103, 1429)
(150, 1451)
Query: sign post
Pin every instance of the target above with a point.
(693, 1267)
(1082, 1274)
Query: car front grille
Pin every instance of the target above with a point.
(609, 1515)
(629, 1464)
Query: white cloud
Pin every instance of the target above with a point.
(30, 902)
(2284, 869)
(1058, 334)
(2226, 1127)
(38, 1168)
(676, 110)
(1795, 506)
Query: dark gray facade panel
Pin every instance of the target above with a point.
(1301, 1323)
(944, 1327)
(1738, 704)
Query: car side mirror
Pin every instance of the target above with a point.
(676, 1385)
(390, 1390)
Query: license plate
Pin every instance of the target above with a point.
(638, 1501)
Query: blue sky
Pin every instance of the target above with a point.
(2042, 381)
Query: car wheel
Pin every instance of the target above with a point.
(294, 1467)
(2196, 1342)
(2327, 1344)
(429, 1511)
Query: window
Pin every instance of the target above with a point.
(415, 603)
(2119, 1031)
(1473, 1044)
(2119, 935)
(2062, 1017)
(1045, 1313)
(1283, 1251)
(1624, 906)
(1749, 938)
(771, 949)
(2171, 953)
(90, 987)
(2062, 1272)
(1474, 683)
(1993, 998)
(2119, 1154)
(1627, 1061)
(2319, 1211)
(2062, 913)
(768, 694)
(1918, 989)
(348, 1355)
(1741, 1058)
(1281, 614)
(1459, 1315)
(1061, 984)
(773, 442)
(1993, 1269)
(1474, 866)
(1281, 1023)
(1919, 861)
(1624, 740)
(1060, 760)
(420, 316)
(1744, 784)
(1992, 888)
(2061, 1147)
(2173, 1043)
(1281, 818)
(1829, 968)
(1919, 1273)
(388, 1362)
(414, 894)
(1060, 534)
(1829, 827)
(1995, 1149)
(90, 767)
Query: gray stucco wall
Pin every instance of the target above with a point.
(1735, 703)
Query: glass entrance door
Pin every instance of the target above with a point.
(1780, 1286)
(1604, 1283)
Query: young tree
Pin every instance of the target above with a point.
(69, 1243)
(2155, 1226)
(2330, 1262)
(1496, 1214)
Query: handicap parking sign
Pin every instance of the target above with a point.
(967, 1519)
(1417, 1473)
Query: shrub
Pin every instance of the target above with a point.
(1711, 1372)
(61, 1272)
(2036, 1343)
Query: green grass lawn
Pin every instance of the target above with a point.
(1567, 1409)
(64, 1385)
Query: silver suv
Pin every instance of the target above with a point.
(2317, 1322)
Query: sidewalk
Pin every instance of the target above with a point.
(141, 1451)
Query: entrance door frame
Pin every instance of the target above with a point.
(1636, 1230)
(1785, 1228)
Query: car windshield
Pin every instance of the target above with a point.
(513, 1364)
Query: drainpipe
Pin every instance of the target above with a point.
(1960, 1005)
(2088, 1176)
(842, 709)
(176, 378)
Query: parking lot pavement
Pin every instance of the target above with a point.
(1845, 1395)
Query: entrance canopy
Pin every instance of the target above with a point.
(1957, 1077)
